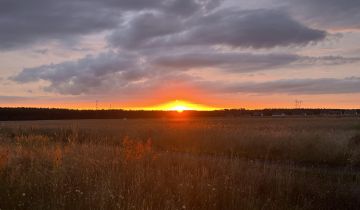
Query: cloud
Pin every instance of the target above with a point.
(157, 39)
(150, 23)
(10, 99)
(190, 7)
(234, 28)
(28, 22)
(252, 28)
(293, 86)
(123, 71)
(332, 14)
(157, 42)
(37, 21)
(327, 60)
(244, 62)
(237, 62)
(181, 7)
(86, 75)
(144, 27)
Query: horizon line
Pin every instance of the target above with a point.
(164, 110)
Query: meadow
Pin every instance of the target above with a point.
(181, 163)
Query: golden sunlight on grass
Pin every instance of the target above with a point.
(180, 106)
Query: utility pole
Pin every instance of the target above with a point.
(298, 104)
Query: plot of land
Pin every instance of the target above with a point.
(230, 163)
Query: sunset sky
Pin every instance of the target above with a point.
(147, 53)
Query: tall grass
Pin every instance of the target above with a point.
(180, 164)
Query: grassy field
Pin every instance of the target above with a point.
(234, 163)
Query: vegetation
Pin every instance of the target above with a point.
(185, 163)
(8, 114)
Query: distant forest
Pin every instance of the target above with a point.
(8, 114)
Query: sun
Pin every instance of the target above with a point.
(180, 106)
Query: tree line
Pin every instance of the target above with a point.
(8, 114)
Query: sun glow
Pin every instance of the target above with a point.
(180, 106)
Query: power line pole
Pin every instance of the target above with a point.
(298, 104)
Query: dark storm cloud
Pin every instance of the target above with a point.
(234, 28)
(87, 74)
(294, 86)
(336, 14)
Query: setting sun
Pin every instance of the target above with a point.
(180, 106)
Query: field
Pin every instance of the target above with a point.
(232, 163)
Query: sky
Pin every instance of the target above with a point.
(143, 53)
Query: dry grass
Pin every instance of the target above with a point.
(245, 163)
